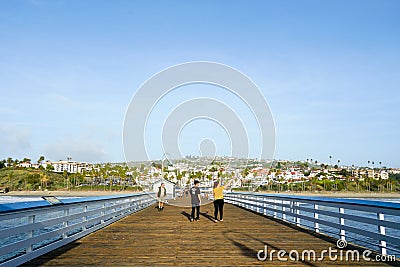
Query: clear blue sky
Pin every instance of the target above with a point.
(330, 71)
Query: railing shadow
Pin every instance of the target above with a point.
(208, 216)
(51, 255)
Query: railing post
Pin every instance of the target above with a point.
(316, 224)
(250, 201)
(283, 211)
(265, 205)
(65, 223)
(291, 205)
(134, 205)
(275, 208)
(85, 209)
(114, 210)
(341, 221)
(103, 212)
(31, 220)
(382, 231)
(257, 201)
(297, 213)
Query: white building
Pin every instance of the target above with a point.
(25, 164)
(61, 166)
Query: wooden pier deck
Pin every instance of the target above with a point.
(167, 238)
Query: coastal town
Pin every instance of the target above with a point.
(244, 174)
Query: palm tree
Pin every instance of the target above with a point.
(40, 160)
(338, 162)
(15, 163)
(66, 179)
(10, 176)
(367, 181)
(330, 160)
(373, 173)
(44, 179)
(9, 162)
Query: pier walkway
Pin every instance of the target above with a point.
(167, 238)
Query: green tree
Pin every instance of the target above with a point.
(44, 179)
(49, 167)
(26, 160)
(245, 172)
(40, 160)
(10, 178)
(15, 163)
(65, 173)
(10, 162)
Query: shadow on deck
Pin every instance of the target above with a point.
(152, 237)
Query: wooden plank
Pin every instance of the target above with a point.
(167, 238)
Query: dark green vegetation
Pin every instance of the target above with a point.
(340, 185)
(37, 179)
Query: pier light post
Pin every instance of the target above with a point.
(164, 157)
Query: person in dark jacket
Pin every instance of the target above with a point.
(162, 193)
(196, 201)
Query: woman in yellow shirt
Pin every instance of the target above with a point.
(218, 201)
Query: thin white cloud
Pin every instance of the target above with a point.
(60, 99)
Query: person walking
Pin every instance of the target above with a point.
(218, 191)
(196, 201)
(161, 194)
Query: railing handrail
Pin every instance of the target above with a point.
(351, 201)
(28, 205)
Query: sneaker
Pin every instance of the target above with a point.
(221, 220)
(215, 220)
(197, 219)
(191, 219)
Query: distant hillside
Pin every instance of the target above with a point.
(25, 179)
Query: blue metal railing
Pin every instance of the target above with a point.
(374, 224)
(31, 229)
